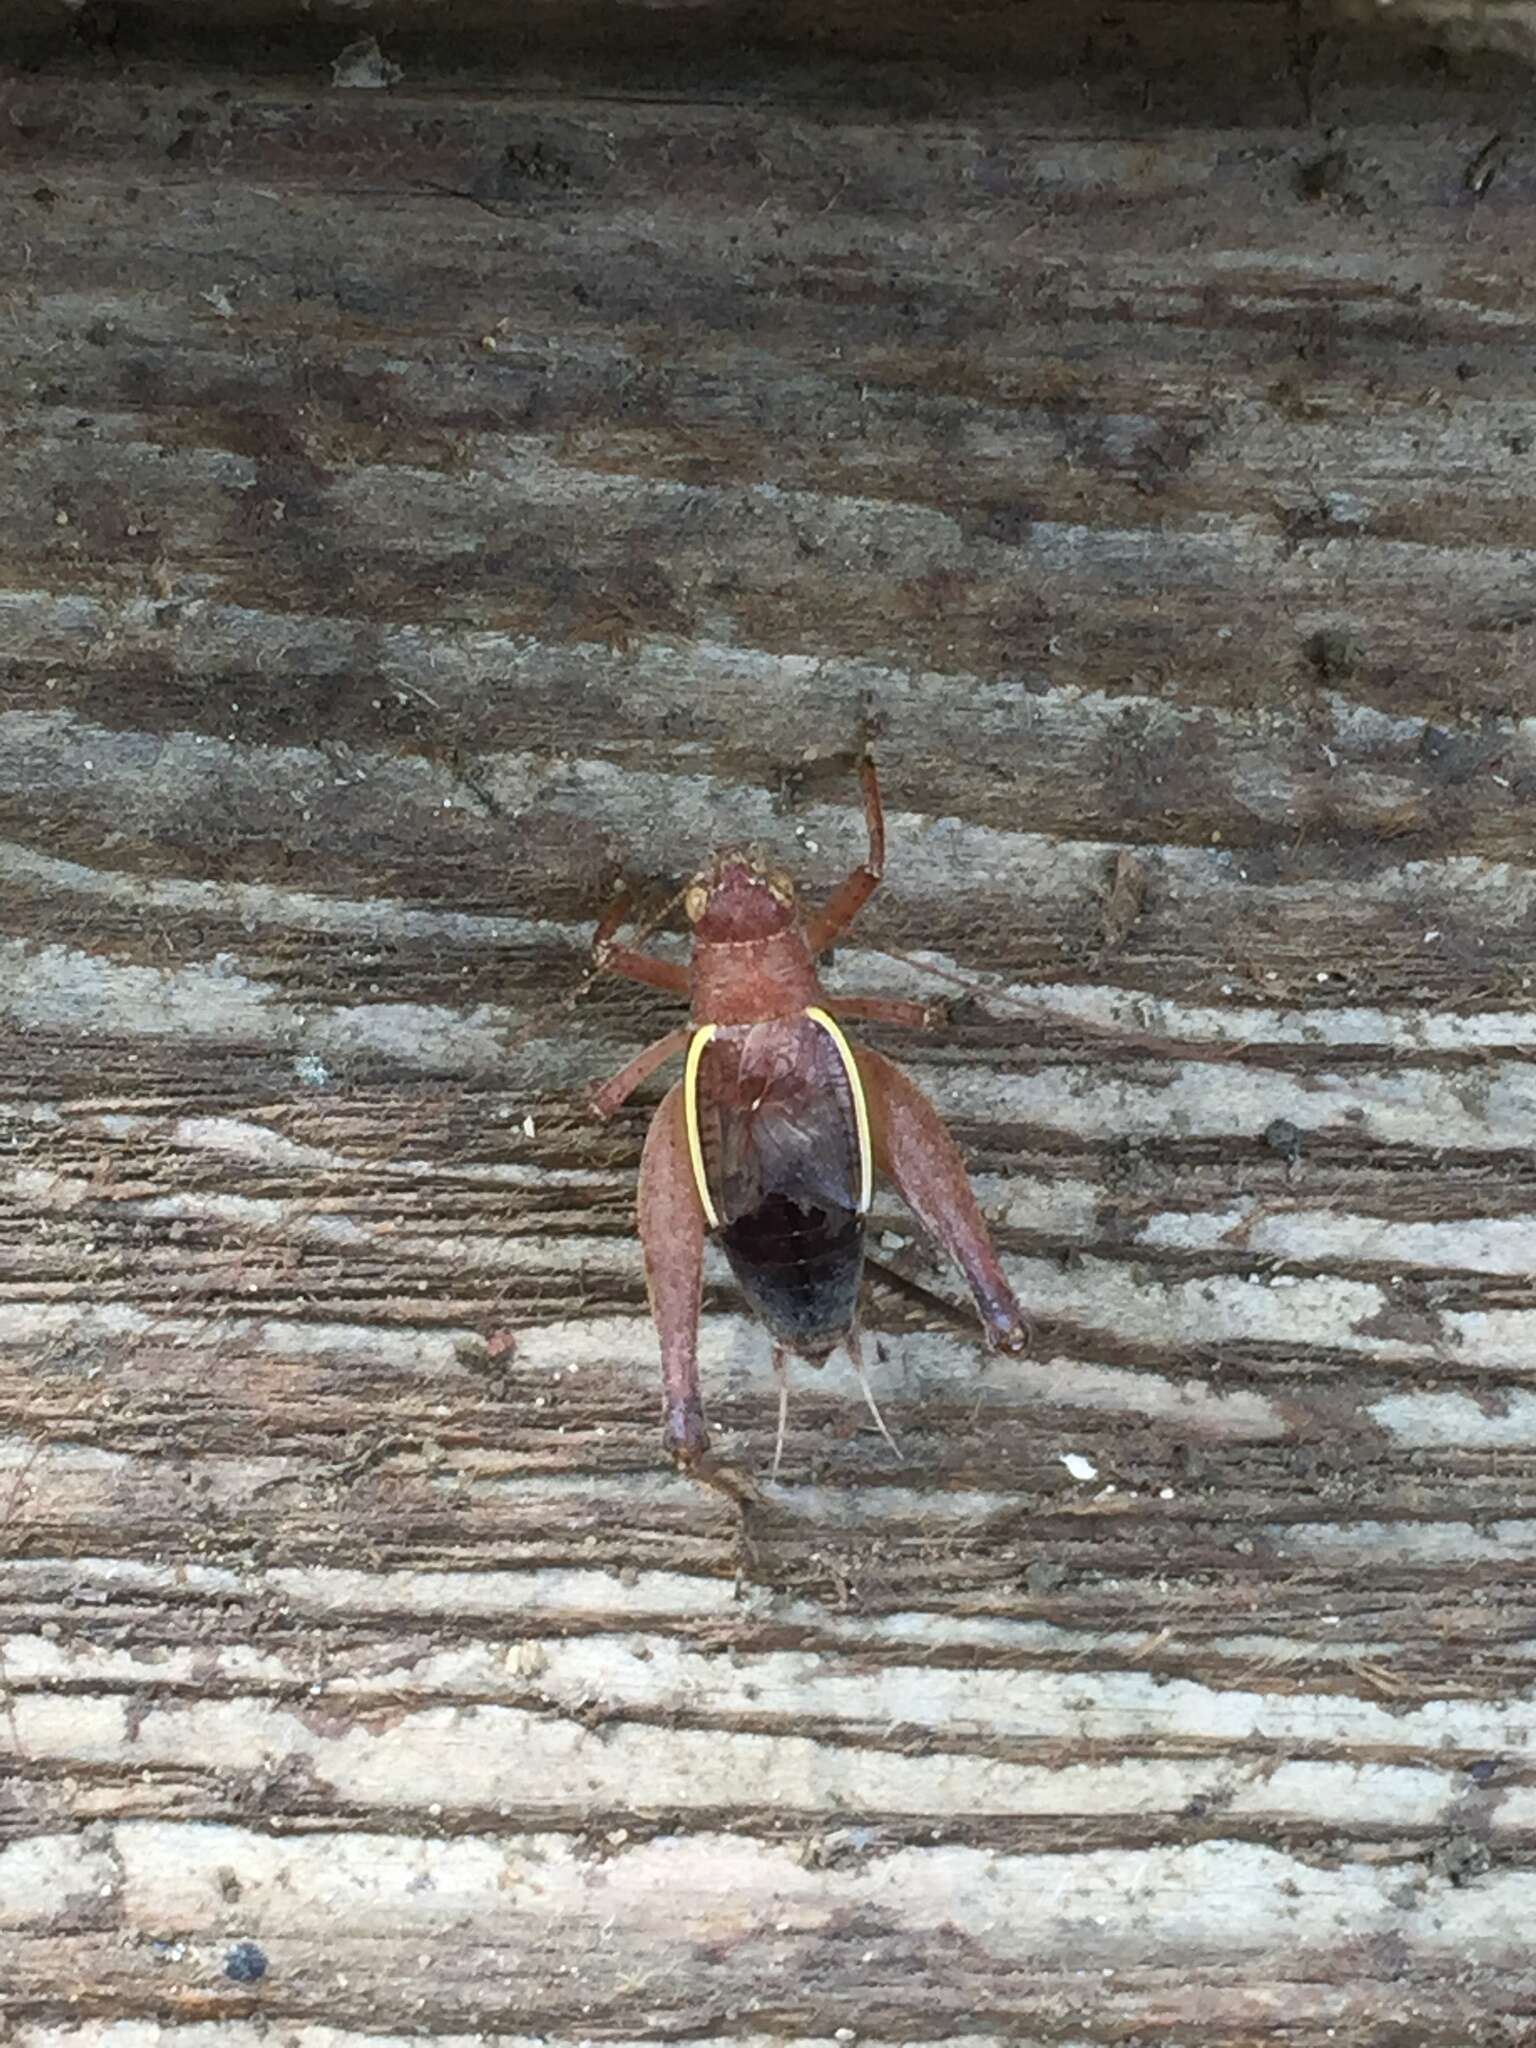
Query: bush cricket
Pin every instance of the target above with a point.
(771, 1141)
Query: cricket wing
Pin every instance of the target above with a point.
(783, 1155)
(776, 1115)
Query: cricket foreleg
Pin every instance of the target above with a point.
(851, 895)
(615, 1093)
(609, 958)
(913, 1147)
(672, 1238)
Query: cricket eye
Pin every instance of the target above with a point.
(694, 901)
(781, 885)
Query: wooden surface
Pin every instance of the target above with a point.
(424, 503)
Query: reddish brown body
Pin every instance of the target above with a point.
(770, 1139)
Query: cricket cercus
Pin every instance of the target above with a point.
(771, 1141)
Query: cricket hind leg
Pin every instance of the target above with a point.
(913, 1147)
(851, 894)
(672, 1240)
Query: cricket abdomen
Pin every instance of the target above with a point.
(800, 1269)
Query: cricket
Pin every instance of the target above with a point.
(771, 1141)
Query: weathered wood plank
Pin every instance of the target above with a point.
(424, 504)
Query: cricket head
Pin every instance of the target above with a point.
(738, 898)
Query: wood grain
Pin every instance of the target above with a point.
(423, 506)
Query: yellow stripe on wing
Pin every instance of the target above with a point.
(860, 1106)
(696, 1046)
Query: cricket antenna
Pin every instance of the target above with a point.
(855, 1344)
